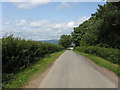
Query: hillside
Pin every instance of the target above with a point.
(51, 41)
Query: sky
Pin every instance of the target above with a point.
(44, 20)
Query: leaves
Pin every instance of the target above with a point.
(65, 41)
(109, 54)
(101, 29)
(18, 53)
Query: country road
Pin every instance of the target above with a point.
(71, 70)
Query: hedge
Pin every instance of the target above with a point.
(18, 53)
(109, 54)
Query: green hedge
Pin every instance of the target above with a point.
(18, 53)
(109, 54)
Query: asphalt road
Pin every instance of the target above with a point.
(71, 70)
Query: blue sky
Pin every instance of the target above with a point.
(44, 20)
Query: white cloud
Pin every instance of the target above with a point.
(81, 20)
(57, 0)
(7, 23)
(63, 5)
(28, 5)
(14, 0)
(40, 23)
(21, 22)
(24, 28)
(43, 29)
(58, 25)
(24, 0)
(49, 25)
(71, 24)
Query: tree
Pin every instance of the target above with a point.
(65, 41)
(102, 29)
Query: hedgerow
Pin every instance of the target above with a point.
(18, 53)
(109, 54)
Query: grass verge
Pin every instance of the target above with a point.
(102, 62)
(24, 75)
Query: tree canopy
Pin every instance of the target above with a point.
(102, 29)
(65, 41)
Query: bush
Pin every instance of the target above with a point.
(109, 54)
(18, 53)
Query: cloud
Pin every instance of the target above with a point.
(57, 0)
(16, 0)
(63, 5)
(41, 30)
(80, 21)
(24, 0)
(71, 24)
(28, 5)
(7, 23)
(40, 23)
(21, 22)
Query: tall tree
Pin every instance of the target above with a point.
(101, 29)
(65, 41)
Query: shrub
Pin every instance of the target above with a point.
(109, 54)
(18, 53)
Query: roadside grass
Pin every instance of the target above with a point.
(104, 63)
(38, 67)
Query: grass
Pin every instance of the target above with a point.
(23, 76)
(102, 62)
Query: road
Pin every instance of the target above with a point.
(71, 70)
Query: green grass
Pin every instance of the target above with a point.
(23, 76)
(102, 62)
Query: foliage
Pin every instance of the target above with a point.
(109, 54)
(65, 41)
(18, 53)
(101, 29)
(32, 70)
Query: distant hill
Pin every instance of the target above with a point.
(50, 41)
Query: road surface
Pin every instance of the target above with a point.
(71, 70)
